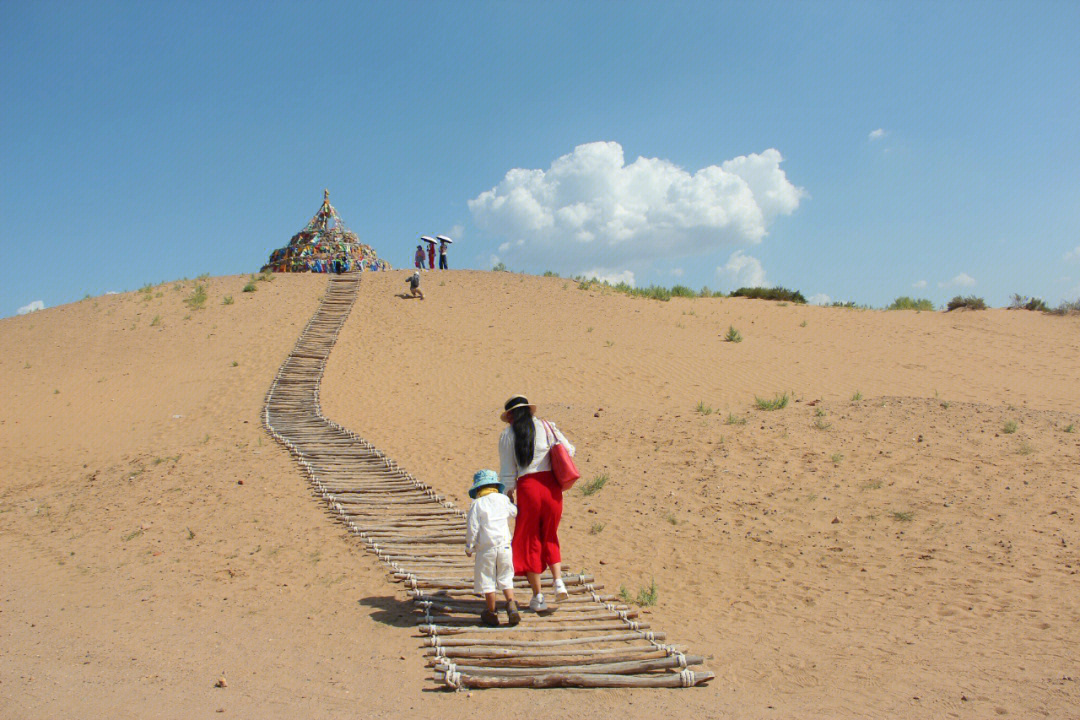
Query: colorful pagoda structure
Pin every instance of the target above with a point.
(325, 245)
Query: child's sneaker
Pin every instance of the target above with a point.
(538, 606)
(489, 618)
(560, 591)
(513, 617)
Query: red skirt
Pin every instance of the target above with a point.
(536, 533)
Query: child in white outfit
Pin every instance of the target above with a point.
(487, 533)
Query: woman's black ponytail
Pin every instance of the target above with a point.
(524, 435)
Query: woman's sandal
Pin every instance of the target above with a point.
(513, 617)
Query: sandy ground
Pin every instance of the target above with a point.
(896, 555)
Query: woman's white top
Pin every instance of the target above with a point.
(509, 471)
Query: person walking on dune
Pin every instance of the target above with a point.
(525, 470)
(418, 259)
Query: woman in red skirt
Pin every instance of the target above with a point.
(526, 474)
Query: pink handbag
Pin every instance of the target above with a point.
(562, 465)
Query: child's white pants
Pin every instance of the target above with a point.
(494, 570)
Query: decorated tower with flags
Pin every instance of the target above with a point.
(325, 245)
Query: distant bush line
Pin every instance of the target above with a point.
(904, 302)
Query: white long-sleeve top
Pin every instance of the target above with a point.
(488, 523)
(509, 471)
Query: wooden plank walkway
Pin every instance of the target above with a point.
(592, 640)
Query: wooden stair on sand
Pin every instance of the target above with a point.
(592, 640)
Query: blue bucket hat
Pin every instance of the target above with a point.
(485, 478)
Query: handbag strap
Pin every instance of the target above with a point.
(553, 439)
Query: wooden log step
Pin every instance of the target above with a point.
(624, 667)
(440, 641)
(685, 678)
(478, 655)
(441, 630)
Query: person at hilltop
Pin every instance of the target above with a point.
(431, 255)
(442, 256)
(487, 534)
(414, 285)
(525, 471)
(419, 257)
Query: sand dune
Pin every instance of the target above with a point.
(896, 555)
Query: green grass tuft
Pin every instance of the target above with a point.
(197, 299)
(733, 335)
(856, 397)
(647, 596)
(903, 515)
(597, 528)
(1071, 427)
(703, 408)
(777, 403)
(733, 419)
(250, 287)
(1009, 427)
(595, 485)
(227, 300)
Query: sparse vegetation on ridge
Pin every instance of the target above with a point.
(733, 335)
(776, 293)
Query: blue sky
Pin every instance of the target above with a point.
(144, 142)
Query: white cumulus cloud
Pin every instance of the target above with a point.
(32, 307)
(611, 277)
(591, 207)
(919, 284)
(962, 280)
(742, 271)
(819, 299)
(877, 134)
(1073, 254)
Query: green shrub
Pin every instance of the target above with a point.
(703, 408)
(250, 287)
(733, 419)
(970, 302)
(549, 273)
(500, 267)
(683, 291)
(1067, 308)
(227, 300)
(733, 335)
(1009, 427)
(1022, 302)
(906, 303)
(776, 293)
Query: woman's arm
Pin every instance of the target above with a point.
(508, 462)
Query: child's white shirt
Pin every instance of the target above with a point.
(487, 524)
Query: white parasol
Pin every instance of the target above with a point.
(443, 238)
